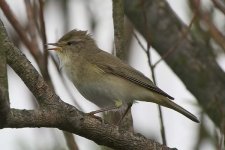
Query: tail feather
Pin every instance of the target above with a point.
(181, 110)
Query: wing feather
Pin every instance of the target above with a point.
(115, 66)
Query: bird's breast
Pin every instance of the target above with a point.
(89, 81)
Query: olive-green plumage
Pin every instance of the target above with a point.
(104, 79)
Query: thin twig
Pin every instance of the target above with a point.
(33, 49)
(19, 29)
(163, 132)
(147, 35)
(36, 13)
(42, 24)
(70, 140)
(179, 42)
(118, 21)
(139, 42)
(153, 78)
(219, 5)
(31, 23)
(44, 40)
(213, 30)
(43, 30)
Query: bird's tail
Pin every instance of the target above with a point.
(170, 104)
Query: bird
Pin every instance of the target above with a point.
(104, 79)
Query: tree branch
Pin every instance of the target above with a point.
(4, 96)
(219, 5)
(70, 141)
(192, 61)
(121, 52)
(19, 29)
(30, 76)
(118, 21)
(32, 47)
(101, 133)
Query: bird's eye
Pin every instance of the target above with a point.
(74, 42)
(71, 42)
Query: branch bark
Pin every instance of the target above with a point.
(192, 61)
(53, 112)
(118, 21)
(4, 96)
(89, 127)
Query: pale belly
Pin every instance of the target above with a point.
(106, 92)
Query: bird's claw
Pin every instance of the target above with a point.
(93, 116)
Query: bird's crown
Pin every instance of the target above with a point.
(75, 35)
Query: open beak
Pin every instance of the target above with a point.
(57, 48)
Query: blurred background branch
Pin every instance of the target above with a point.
(192, 56)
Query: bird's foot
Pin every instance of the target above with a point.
(92, 114)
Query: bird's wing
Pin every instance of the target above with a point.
(115, 66)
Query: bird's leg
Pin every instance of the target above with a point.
(103, 110)
(118, 104)
(125, 113)
(92, 113)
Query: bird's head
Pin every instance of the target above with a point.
(73, 42)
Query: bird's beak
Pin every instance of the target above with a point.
(57, 48)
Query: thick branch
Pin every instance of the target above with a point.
(29, 75)
(101, 133)
(192, 61)
(4, 96)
